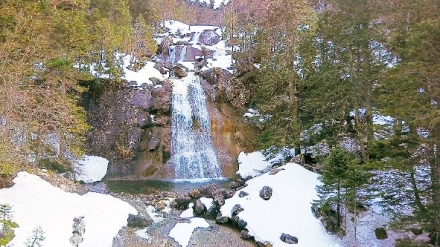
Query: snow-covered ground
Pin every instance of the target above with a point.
(35, 203)
(90, 169)
(287, 211)
(252, 164)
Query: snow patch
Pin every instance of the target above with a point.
(182, 232)
(252, 164)
(90, 169)
(35, 203)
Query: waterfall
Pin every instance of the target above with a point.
(192, 151)
(172, 55)
(183, 54)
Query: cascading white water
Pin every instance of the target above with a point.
(183, 54)
(172, 54)
(192, 151)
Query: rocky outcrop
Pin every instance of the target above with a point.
(231, 133)
(131, 128)
(209, 37)
(164, 45)
(224, 87)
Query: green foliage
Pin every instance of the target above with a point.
(53, 165)
(7, 225)
(381, 233)
(342, 178)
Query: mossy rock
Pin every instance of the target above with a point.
(53, 165)
(381, 233)
(416, 231)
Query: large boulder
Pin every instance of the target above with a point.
(138, 221)
(179, 72)
(221, 219)
(199, 208)
(266, 192)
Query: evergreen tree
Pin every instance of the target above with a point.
(7, 225)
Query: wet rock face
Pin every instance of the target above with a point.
(131, 128)
(231, 133)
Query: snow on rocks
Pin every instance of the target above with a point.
(182, 232)
(288, 210)
(35, 203)
(252, 164)
(90, 169)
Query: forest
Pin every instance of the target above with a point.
(319, 71)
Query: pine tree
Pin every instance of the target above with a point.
(7, 225)
(37, 238)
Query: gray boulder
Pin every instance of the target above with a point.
(244, 234)
(199, 208)
(288, 239)
(266, 192)
(221, 219)
(242, 194)
(138, 221)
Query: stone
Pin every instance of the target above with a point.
(179, 72)
(236, 209)
(242, 194)
(2, 183)
(288, 239)
(244, 234)
(221, 219)
(241, 224)
(195, 194)
(160, 66)
(212, 212)
(138, 221)
(183, 202)
(266, 192)
(274, 171)
(199, 208)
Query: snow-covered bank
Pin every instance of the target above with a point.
(37, 203)
(287, 211)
